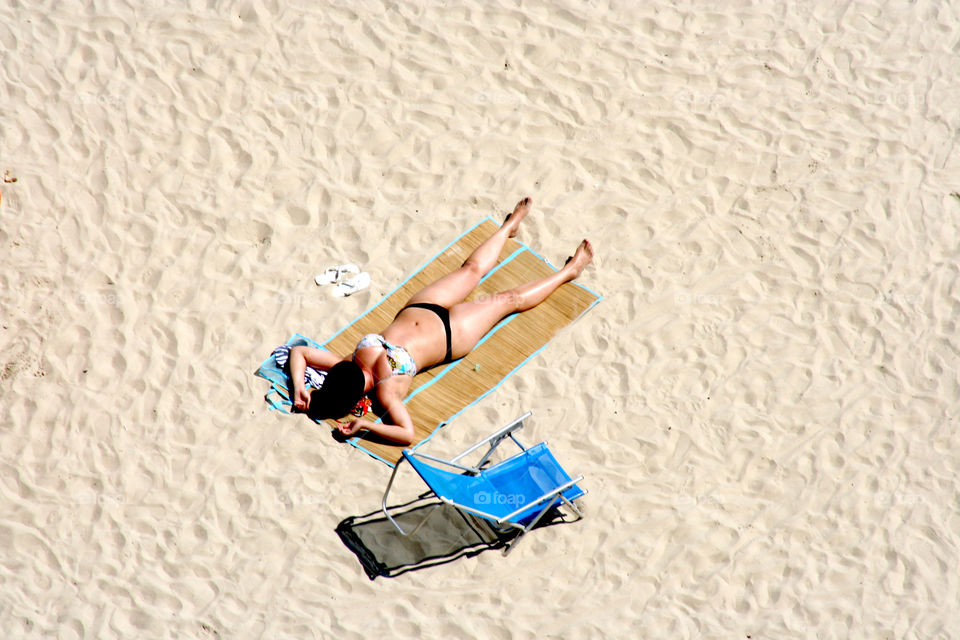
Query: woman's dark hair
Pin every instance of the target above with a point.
(340, 393)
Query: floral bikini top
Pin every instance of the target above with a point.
(400, 360)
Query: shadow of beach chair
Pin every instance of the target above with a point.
(513, 494)
(449, 535)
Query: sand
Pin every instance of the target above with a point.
(765, 405)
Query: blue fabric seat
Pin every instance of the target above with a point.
(500, 490)
(516, 492)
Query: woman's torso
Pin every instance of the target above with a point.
(417, 331)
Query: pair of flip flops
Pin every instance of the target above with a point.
(347, 279)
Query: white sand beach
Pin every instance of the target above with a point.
(765, 405)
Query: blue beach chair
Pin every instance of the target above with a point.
(513, 494)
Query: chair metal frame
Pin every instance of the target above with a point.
(502, 523)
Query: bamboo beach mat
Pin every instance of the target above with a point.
(440, 393)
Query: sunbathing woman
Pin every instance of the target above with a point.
(435, 326)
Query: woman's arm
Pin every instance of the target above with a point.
(401, 431)
(300, 357)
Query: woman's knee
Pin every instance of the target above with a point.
(472, 268)
(509, 301)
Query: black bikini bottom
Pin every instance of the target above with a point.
(444, 314)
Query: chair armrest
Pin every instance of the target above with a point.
(455, 465)
(552, 493)
(497, 437)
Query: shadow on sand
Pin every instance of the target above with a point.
(438, 534)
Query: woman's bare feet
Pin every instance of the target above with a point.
(512, 223)
(579, 260)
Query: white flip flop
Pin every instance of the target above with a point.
(333, 275)
(349, 286)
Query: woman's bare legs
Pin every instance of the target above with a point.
(470, 321)
(454, 287)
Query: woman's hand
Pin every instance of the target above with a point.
(403, 435)
(301, 399)
(350, 428)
